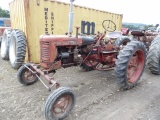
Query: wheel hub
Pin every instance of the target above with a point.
(90, 62)
(135, 66)
(62, 105)
(28, 75)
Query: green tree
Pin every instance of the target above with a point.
(147, 26)
(4, 13)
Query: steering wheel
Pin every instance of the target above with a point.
(109, 25)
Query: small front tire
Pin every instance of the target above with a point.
(25, 76)
(59, 104)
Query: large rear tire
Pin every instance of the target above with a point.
(5, 44)
(122, 41)
(17, 48)
(59, 104)
(130, 64)
(153, 57)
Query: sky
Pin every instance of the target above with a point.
(134, 11)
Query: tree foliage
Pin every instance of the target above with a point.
(129, 26)
(4, 13)
(137, 27)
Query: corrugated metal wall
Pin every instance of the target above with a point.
(37, 17)
(18, 18)
(17, 15)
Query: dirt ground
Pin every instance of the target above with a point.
(97, 96)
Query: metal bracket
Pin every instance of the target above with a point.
(48, 87)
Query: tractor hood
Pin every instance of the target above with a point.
(63, 40)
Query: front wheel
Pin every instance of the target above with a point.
(25, 76)
(130, 64)
(59, 104)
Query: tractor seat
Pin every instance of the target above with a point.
(87, 40)
(137, 33)
(114, 35)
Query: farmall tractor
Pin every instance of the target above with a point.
(56, 51)
(151, 39)
(144, 36)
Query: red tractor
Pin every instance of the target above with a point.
(145, 36)
(1, 32)
(90, 53)
(56, 51)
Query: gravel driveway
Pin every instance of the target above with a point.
(97, 96)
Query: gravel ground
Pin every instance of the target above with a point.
(97, 96)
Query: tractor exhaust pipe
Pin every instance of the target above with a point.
(71, 15)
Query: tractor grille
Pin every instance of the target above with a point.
(45, 51)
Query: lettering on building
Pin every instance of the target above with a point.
(49, 21)
(46, 20)
(52, 22)
(87, 27)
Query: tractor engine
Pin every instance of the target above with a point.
(61, 51)
(68, 56)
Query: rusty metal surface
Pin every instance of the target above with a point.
(52, 48)
(46, 56)
(125, 31)
(144, 36)
(49, 44)
(45, 74)
(60, 40)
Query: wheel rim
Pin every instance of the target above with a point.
(91, 62)
(135, 66)
(62, 105)
(4, 45)
(28, 76)
(12, 50)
